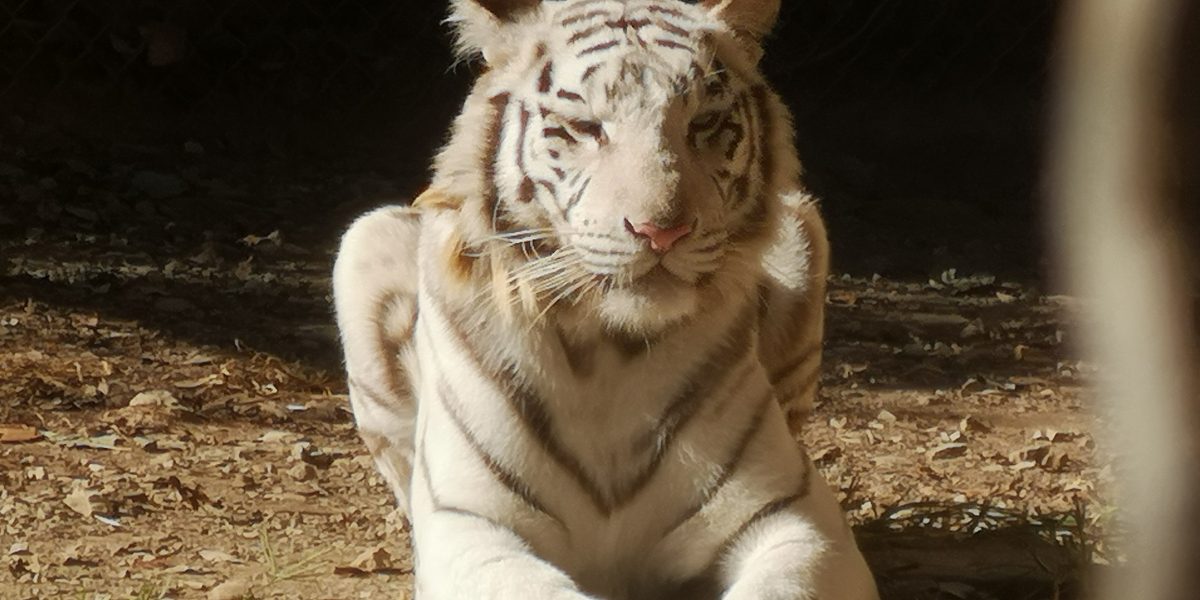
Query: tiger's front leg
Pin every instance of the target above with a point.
(805, 551)
(475, 521)
(793, 306)
(375, 296)
(463, 555)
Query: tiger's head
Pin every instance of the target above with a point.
(624, 156)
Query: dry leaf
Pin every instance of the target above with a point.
(973, 425)
(14, 434)
(951, 450)
(826, 456)
(218, 556)
(302, 472)
(80, 501)
(277, 436)
(207, 380)
(154, 398)
(371, 560)
(185, 570)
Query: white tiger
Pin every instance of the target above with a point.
(575, 361)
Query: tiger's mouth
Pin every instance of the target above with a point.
(653, 300)
(650, 277)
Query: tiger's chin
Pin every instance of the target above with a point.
(649, 305)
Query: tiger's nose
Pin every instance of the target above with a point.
(662, 239)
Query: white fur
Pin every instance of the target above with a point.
(453, 317)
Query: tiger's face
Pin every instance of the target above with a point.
(630, 159)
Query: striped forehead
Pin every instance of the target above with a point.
(669, 35)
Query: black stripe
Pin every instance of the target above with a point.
(739, 135)
(673, 45)
(665, 11)
(761, 97)
(577, 196)
(589, 72)
(549, 185)
(580, 358)
(754, 223)
(700, 383)
(526, 190)
(752, 125)
(561, 133)
(394, 376)
(491, 198)
(770, 509)
(629, 346)
(798, 360)
(372, 394)
(739, 379)
(731, 465)
(527, 404)
(530, 410)
(672, 28)
(546, 80)
(506, 477)
(575, 18)
(571, 96)
(587, 33)
(598, 48)
(462, 512)
(441, 507)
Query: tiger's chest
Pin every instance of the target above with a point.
(621, 444)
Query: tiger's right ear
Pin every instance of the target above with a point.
(481, 25)
(751, 18)
(506, 9)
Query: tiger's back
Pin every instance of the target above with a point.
(582, 381)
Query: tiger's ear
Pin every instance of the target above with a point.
(752, 19)
(506, 9)
(481, 24)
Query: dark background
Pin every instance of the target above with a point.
(920, 123)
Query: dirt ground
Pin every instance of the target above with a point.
(174, 422)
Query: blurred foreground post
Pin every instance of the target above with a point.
(1122, 247)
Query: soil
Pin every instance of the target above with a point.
(174, 424)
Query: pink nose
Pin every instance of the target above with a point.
(661, 240)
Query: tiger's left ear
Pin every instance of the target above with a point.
(506, 9)
(482, 25)
(752, 19)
